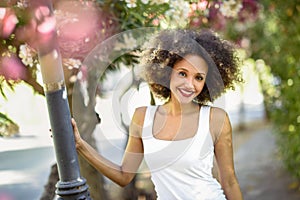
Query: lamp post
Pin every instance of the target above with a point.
(71, 185)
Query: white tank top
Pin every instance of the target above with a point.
(182, 169)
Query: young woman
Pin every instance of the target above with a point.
(179, 139)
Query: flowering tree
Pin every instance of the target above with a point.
(18, 52)
(83, 24)
(275, 39)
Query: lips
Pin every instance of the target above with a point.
(185, 92)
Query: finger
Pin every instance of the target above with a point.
(73, 121)
(74, 124)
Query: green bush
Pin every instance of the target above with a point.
(7, 126)
(275, 38)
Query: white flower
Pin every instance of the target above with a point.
(245, 43)
(2, 13)
(27, 55)
(158, 2)
(178, 13)
(230, 8)
(22, 4)
(131, 3)
(72, 63)
(119, 46)
(128, 43)
(145, 1)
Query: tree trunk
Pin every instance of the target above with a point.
(49, 188)
(87, 120)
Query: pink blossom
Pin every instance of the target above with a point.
(12, 68)
(81, 27)
(193, 6)
(8, 22)
(155, 22)
(48, 25)
(202, 5)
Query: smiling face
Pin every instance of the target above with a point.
(188, 78)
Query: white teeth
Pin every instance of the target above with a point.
(185, 92)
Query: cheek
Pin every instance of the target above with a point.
(174, 80)
(173, 83)
(200, 86)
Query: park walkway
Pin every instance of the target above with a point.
(259, 169)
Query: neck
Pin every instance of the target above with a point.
(173, 107)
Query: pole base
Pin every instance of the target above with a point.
(73, 190)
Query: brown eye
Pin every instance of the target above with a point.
(182, 74)
(199, 78)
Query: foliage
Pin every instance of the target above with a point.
(275, 38)
(7, 126)
(270, 34)
(268, 30)
(18, 56)
(17, 42)
(136, 14)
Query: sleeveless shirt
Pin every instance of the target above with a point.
(182, 169)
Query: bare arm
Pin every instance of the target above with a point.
(224, 154)
(132, 158)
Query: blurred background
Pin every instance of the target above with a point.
(264, 111)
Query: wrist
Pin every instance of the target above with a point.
(79, 144)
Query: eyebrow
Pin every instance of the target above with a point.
(182, 68)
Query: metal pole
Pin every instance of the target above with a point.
(71, 186)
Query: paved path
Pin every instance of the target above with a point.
(24, 173)
(261, 175)
(259, 170)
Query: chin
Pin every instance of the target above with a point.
(186, 101)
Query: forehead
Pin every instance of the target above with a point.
(193, 63)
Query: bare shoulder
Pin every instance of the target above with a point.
(217, 110)
(219, 122)
(139, 115)
(137, 121)
(217, 114)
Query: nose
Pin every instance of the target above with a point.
(189, 83)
